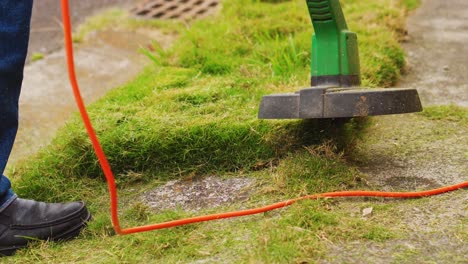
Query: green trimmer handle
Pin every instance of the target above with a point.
(335, 55)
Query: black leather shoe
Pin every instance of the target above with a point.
(26, 220)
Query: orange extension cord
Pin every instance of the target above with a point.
(111, 181)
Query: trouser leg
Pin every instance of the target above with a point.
(15, 17)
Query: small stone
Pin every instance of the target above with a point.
(446, 68)
(367, 212)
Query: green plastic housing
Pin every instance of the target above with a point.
(335, 55)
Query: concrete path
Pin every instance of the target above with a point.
(46, 30)
(410, 152)
(438, 52)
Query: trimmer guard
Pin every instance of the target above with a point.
(339, 102)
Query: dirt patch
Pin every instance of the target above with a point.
(194, 195)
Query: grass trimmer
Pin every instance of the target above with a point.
(335, 77)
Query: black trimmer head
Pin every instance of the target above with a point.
(339, 102)
(335, 77)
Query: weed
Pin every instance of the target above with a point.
(378, 233)
(157, 54)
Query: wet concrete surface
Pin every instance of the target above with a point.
(105, 61)
(438, 52)
(46, 29)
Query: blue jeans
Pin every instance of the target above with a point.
(15, 17)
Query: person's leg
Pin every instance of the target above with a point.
(7, 194)
(23, 220)
(15, 16)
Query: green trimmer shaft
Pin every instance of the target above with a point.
(335, 77)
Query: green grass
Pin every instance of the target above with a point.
(411, 4)
(447, 112)
(192, 112)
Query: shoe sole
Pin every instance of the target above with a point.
(9, 251)
(69, 234)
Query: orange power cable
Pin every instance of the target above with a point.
(111, 181)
